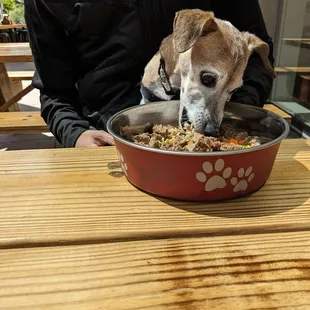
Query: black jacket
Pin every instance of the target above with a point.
(90, 55)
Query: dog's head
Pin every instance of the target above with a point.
(213, 56)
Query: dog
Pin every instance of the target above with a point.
(201, 63)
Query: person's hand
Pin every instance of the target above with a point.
(94, 138)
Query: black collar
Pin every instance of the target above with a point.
(165, 82)
(164, 79)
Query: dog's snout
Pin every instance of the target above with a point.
(211, 131)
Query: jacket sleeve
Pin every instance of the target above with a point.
(247, 16)
(55, 75)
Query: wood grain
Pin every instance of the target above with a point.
(6, 90)
(21, 123)
(76, 196)
(269, 271)
(15, 52)
(17, 87)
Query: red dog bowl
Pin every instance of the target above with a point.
(199, 176)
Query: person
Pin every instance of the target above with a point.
(90, 57)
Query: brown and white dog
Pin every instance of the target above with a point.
(203, 61)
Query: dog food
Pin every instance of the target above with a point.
(186, 139)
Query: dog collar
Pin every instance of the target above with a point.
(164, 79)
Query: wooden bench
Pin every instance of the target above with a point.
(272, 108)
(32, 122)
(20, 75)
(22, 123)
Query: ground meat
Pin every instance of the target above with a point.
(186, 139)
(229, 132)
(143, 138)
(230, 147)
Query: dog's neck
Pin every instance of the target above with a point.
(151, 79)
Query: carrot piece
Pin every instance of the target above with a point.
(241, 142)
(232, 141)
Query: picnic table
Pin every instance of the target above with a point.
(12, 26)
(75, 234)
(12, 91)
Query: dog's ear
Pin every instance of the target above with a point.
(262, 48)
(189, 26)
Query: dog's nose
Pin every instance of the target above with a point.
(211, 131)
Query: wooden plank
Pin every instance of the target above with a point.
(22, 123)
(269, 271)
(299, 42)
(14, 44)
(16, 98)
(15, 52)
(5, 85)
(274, 109)
(12, 26)
(72, 196)
(20, 75)
(297, 39)
(292, 69)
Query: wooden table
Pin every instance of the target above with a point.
(75, 234)
(12, 26)
(12, 91)
(15, 52)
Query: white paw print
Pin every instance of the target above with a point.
(216, 181)
(123, 164)
(244, 178)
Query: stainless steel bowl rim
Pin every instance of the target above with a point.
(217, 153)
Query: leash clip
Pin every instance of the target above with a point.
(164, 78)
(164, 81)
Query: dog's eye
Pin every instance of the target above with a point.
(208, 79)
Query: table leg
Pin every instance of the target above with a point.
(6, 89)
(17, 87)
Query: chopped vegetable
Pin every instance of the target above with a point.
(233, 141)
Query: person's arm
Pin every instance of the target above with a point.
(55, 74)
(247, 16)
